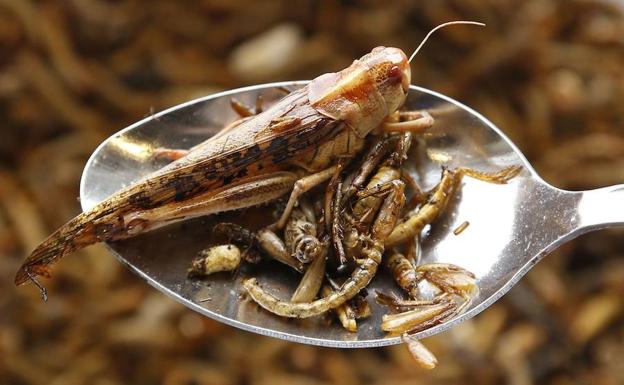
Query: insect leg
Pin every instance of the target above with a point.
(429, 212)
(418, 196)
(259, 104)
(332, 211)
(417, 122)
(413, 251)
(301, 186)
(243, 110)
(372, 159)
(337, 231)
(330, 194)
(390, 210)
(410, 304)
(501, 177)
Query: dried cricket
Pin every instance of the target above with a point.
(387, 180)
(457, 287)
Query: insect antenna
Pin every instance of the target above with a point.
(438, 27)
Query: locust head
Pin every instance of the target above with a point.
(390, 71)
(364, 94)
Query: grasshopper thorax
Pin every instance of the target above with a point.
(365, 93)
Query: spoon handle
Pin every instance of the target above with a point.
(601, 208)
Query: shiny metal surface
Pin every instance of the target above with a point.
(511, 227)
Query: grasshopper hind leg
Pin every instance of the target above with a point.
(244, 193)
(300, 187)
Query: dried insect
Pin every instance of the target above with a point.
(216, 259)
(422, 356)
(384, 186)
(420, 318)
(403, 272)
(452, 281)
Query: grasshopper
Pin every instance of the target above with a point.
(290, 147)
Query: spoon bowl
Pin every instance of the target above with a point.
(511, 227)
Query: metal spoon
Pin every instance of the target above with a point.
(512, 227)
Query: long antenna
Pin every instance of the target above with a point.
(438, 27)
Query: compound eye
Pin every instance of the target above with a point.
(395, 75)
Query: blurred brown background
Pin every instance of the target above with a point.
(549, 73)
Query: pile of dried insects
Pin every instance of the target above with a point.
(338, 229)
